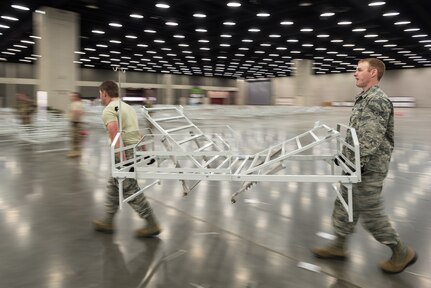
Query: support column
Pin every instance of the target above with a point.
(167, 81)
(56, 72)
(303, 73)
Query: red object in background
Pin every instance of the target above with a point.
(83, 132)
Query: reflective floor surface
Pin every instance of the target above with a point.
(47, 203)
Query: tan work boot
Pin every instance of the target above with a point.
(148, 231)
(103, 226)
(329, 252)
(73, 154)
(335, 250)
(400, 260)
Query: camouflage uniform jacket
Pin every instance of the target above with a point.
(373, 118)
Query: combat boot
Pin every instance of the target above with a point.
(148, 231)
(335, 250)
(74, 153)
(402, 257)
(103, 226)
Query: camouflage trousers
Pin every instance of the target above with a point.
(367, 206)
(76, 136)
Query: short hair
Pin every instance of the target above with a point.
(376, 64)
(110, 87)
(77, 95)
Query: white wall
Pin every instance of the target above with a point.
(341, 87)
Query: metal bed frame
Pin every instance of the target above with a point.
(178, 149)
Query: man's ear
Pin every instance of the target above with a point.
(374, 72)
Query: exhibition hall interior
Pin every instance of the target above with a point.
(242, 148)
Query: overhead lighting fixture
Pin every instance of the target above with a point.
(344, 23)
(131, 36)
(412, 29)
(327, 14)
(9, 18)
(402, 23)
(359, 30)
(98, 31)
(201, 30)
(390, 14)
(225, 35)
(199, 15)
(149, 31)
(114, 24)
(20, 7)
(263, 14)
(286, 22)
(179, 36)
(171, 23)
(4, 26)
(377, 3)
(253, 30)
(162, 5)
(229, 23)
(137, 16)
(233, 4)
(306, 30)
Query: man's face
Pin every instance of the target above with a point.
(102, 97)
(364, 74)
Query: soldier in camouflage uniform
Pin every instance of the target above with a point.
(130, 136)
(373, 119)
(25, 108)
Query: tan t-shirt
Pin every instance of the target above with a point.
(76, 106)
(129, 120)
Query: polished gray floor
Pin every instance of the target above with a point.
(47, 202)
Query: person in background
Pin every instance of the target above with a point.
(373, 119)
(108, 92)
(76, 112)
(25, 108)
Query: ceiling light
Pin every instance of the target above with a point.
(98, 31)
(162, 5)
(389, 14)
(377, 3)
(224, 45)
(102, 45)
(9, 18)
(179, 36)
(4, 26)
(420, 35)
(225, 35)
(306, 30)
(253, 30)
(274, 36)
(131, 36)
(327, 14)
(286, 23)
(115, 41)
(337, 41)
(359, 30)
(199, 15)
(247, 40)
(229, 23)
(171, 23)
(137, 16)
(233, 4)
(159, 41)
(263, 14)
(292, 40)
(371, 35)
(344, 23)
(142, 45)
(412, 29)
(201, 30)
(113, 24)
(149, 31)
(402, 23)
(20, 7)
(203, 41)
(390, 45)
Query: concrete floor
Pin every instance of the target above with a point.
(47, 203)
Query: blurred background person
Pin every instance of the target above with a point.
(76, 112)
(25, 107)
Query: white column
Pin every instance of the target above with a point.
(303, 73)
(167, 81)
(56, 72)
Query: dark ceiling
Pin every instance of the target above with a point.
(150, 44)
